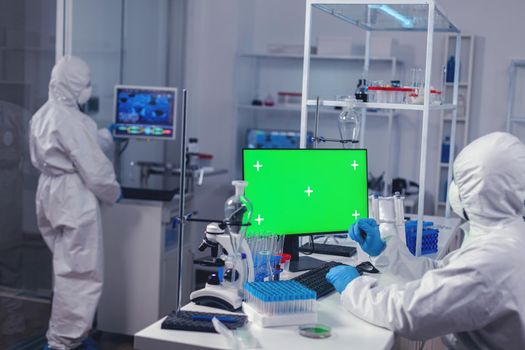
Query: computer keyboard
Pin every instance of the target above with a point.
(201, 321)
(316, 279)
(328, 249)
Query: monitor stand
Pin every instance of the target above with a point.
(299, 263)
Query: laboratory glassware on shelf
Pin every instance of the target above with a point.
(411, 93)
(348, 123)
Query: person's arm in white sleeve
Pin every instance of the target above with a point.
(450, 299)
(387, 252)
(397, 260)
(105, 140)
(93, 166)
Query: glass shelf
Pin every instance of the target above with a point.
(319, 57)
(387, 16)
(372, 105)
(297, 109)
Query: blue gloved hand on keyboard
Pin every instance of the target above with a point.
(340, 276)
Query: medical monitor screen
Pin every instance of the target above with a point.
(305, 191)
(275, 139)
(145, 112)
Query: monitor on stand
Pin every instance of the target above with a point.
(297, 192)
(145, 112)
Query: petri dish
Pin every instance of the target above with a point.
(316, 331)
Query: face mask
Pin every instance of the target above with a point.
(455, 201)
(84, 95)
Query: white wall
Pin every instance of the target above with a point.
(499, 29)
(145, 54)
(126, 43)
(211, 45)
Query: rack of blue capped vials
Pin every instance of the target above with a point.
(429, 244)
(280, 297)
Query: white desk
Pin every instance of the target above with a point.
(348, 331)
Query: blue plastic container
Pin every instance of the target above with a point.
(451, 68)
(445, 150)
(429, 243)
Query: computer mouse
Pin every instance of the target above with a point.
(366, 266)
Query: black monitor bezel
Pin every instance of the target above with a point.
(308, 150)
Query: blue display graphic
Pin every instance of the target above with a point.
(275, 139)
(145, 112)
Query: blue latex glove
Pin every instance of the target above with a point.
(120, 198)
(340, 276)
(89, 344)
(366, 233)
(111, 127)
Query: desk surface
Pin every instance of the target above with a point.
(347, 332)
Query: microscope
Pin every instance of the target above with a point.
(224, 289)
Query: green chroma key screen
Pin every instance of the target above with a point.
(305, 191)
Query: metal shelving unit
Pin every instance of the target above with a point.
(393, 16)
(463, 120)
(297, 110)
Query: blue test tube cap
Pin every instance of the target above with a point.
(220, 274)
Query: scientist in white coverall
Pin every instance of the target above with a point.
(476, 294)
(65, 146)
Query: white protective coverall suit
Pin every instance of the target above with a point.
(477, 292)
(75, 175)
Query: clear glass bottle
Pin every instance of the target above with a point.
(238, 210)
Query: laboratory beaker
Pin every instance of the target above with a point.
(416, 78)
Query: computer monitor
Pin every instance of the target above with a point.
(305, 191)
(274, 139)
(145, 112)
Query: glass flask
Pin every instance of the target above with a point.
(349, 124)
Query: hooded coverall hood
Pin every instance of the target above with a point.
(475, 292)
(490, 176)
(70, 76)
